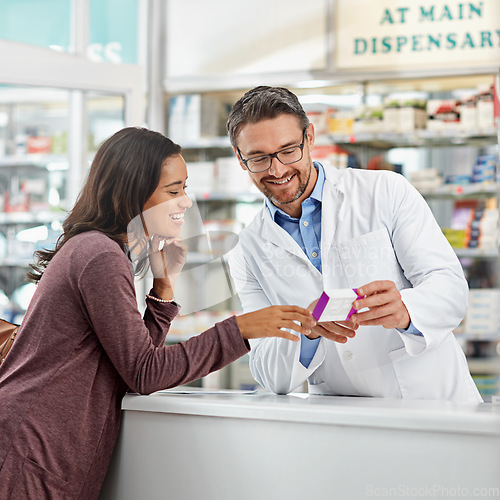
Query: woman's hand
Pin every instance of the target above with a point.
(338, 331)
(167, 257)
(269, 322)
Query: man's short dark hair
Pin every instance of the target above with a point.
(263, 103)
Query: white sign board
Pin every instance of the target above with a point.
(396, 34)
(245, 37)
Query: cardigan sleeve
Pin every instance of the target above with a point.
(108, 294)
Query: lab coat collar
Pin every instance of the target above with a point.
(332, 200)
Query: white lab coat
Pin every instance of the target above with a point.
(375, 226)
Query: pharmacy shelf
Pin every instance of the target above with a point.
(42, 217)
(476, 252)
(417, 138)
(458, 191)
(15, 262)
(48, 161)
(484, 365)
(208, 143)
(377, 139)
(490, 336)
(233, 197)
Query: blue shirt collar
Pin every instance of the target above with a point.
(316, 195)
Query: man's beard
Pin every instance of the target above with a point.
(300, 190)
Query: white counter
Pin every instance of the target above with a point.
(261, 446)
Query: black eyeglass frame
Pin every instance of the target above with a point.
(274, 155)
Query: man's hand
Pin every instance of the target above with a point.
(338, 331)
(386, 308)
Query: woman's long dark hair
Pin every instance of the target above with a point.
(124, 174)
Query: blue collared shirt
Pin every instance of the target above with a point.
(306, 231)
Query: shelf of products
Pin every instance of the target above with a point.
(440, 133)
(38, 175)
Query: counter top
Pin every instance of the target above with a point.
(232, 444)
(441, 416)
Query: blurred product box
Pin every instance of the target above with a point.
(412, 116)
(231, 178)
(457, 238)
(39, 145)
(485, 108)
(201, 177)
(391, 119)
(485, 169)
(20, 249)
(192, 117)
(474, 225)
(487, 385)
(60, 143)
(483, 313)
(426, 180)
(402, 116)
(16, 201)
(319, 119)
(20, 144)
(468, 113)
(458, 180)
(37, 192)
(330, 155)
(340, 122)
(443, 114)
(369, 119)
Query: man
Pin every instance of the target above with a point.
(323, 228)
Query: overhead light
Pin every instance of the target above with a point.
(33, 234)
(347, 100)
(312, 84)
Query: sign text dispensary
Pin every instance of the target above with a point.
(440, 40)
(420, 42)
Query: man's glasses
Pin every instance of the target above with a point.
(286, 156)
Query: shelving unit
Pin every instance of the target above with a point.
(40, 174)
(419, 149)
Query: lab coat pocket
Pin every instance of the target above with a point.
(418, 376)
(370, 257)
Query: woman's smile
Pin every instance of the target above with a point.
(178, 217)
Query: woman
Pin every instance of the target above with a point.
(83, 342)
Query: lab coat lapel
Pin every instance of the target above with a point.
(276, 235)
(333, 199)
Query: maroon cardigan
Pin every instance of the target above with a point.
(82, 343)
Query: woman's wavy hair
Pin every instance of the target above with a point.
(124, 174)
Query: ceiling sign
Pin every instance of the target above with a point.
(398, 34)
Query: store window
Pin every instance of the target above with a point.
(112, 30)
(42, 166)
(44, 23)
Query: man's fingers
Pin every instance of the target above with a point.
(334, 332)
(330, 335)
(334, 327)
(375, 287)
